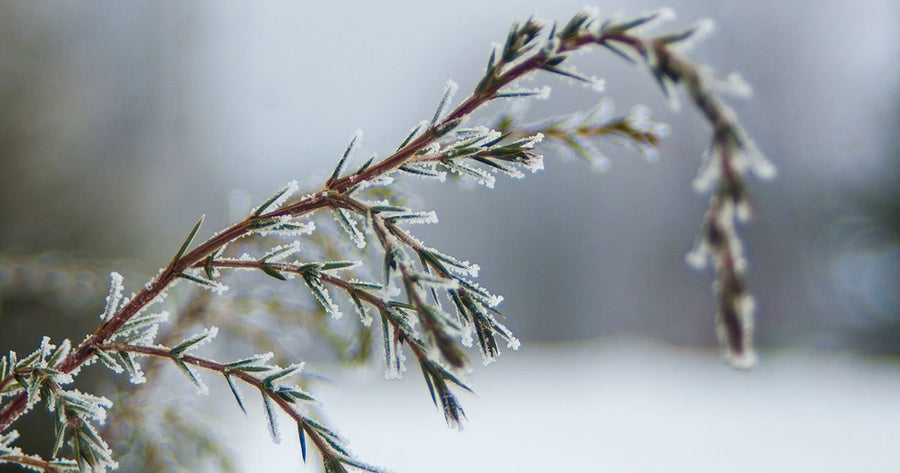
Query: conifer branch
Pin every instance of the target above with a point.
(434, 148)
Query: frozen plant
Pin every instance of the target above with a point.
(426, 304)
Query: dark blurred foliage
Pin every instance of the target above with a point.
(871, 246)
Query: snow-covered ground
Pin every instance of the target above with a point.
(618, 406)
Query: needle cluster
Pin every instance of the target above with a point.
(426, 304)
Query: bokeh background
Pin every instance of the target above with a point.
(121, 123)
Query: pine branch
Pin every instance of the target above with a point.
(285, 397)
(433, 149)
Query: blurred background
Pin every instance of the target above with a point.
(123, 122)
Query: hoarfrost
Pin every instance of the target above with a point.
(196, 276)
(698, 256)
(274, 431)
(425, 171)
(467, 336)
(481, 293)
(141, 324)
(279, 253)
(736, 85)
(286, 226)
(708, 174)
(197, 340)
(393, 356)
(517, 93)
(93, 407)
(7, 439)
(364, 316)
(349, 225)
(699, 31)
(746, 357)
(202, 388)
(115, 296)
(449, 91)
(109, 361)
(462, 267)
(479, 175)
(413, 133)
(279, 198)
(416, 217)
(320, 293)
(375, 182)
(148, 336)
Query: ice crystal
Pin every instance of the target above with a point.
(444, 104)
(197, 277)
(349, 225)
(278, 199)
(114, 297)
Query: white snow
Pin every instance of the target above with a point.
(619, 406)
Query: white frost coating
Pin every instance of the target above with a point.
(481, 293)
(743, 211)
(109, 361)
(590, 11)
(467, 336)
(417, 217)
(649, 152)
(660, 130)
(94, 407)
(114, 297)
(45, 348)
(758, 164)
(324, 298)
(286, 192)
(7, 439)
(462, 267)
(665, 14)
(137, 374)
(597, 84)
(639, 118)
(449, 91)
(287, 226)
(737, 86)
(701, 29)
(435, 281)
(205, 336)
(197, 277)
(349, 225)
(531, 141)
(391, 291)
(480, 176)
(142, 322)
(536, 164)
(698, 256)
(148, 336)
(425, 171)
(708, 174)
(515, 94)
(396, 365)
(433, 148)
(377, 181)
(600, 163)
(416, 130)
(280, 252)
(364, 316)
(745, 307)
